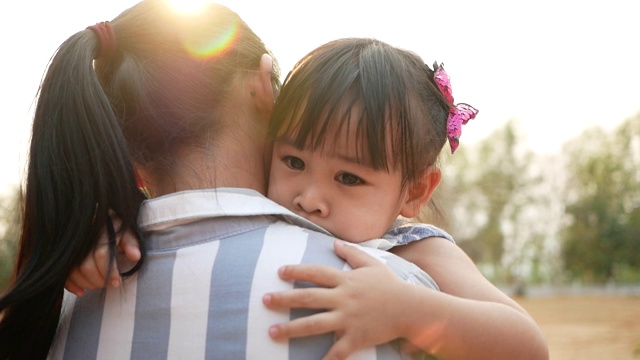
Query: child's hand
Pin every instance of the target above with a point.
(361, 304)
(92, 273)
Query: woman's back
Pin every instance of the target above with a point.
(200, 295)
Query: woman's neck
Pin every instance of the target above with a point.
(233, 155)
(227, 165)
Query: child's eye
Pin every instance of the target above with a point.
(349, 179)
(293, 162)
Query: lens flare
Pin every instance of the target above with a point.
(214, 44)
(199, 41)
(188, 6)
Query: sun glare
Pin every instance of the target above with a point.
(188, 6)
(202, 43)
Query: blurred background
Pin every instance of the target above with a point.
(544, 192)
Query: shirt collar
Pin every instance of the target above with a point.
(193, 205)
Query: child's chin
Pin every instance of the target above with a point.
(351, 238)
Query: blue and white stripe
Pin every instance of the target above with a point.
(199, 296)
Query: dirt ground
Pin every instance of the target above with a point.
(588, 328)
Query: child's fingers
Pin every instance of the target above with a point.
(93, 270)
(96, 268)
(90, 274)
(101, 260)
(114, 277)
(73, 288)
(77, 280)
(354, 256)
(129, 245)
(316, 324)
(318, 274)
(341, 349)
(308, 298)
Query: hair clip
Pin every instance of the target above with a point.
(459, 114)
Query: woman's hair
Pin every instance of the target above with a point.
(162, 87)
(402, 114)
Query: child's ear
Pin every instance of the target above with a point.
(419, 192)
(261, 88)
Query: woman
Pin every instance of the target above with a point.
(183, 101)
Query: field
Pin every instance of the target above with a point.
(588, 327)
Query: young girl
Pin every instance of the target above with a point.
(357, 130)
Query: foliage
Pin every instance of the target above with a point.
(525, 217)
(602, 241)
(487, 189)
(9, 233)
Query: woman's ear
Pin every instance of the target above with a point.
(419, 192)
(261, 88)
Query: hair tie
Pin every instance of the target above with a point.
(106, 39)
(459, 114)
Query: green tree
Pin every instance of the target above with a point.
(9, 233)
(487, 189)
(601, 242)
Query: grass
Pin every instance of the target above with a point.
(588, 327)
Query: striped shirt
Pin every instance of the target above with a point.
(212, 255)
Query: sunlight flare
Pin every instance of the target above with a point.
(188, 6)
(206, 46)
(206, 41)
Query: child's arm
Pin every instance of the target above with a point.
(485, 315)
(91, 274)
(370, 305)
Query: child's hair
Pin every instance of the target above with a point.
(394, 90)
(156, 91)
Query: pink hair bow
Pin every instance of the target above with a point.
(459, 114)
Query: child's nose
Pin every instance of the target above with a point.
(312, 202)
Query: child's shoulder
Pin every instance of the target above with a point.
(405, 231)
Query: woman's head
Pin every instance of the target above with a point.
(402, 117)
(172, 74)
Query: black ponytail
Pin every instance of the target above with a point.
(79, 170)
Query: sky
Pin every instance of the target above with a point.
(556, 66)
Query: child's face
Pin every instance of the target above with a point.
(328, 187)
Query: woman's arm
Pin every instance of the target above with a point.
(371, 305)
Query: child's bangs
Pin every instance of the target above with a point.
(317, 122)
